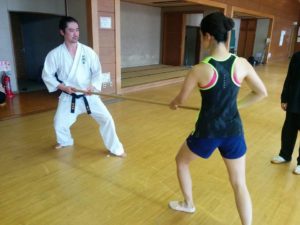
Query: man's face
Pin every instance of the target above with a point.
(71, 33)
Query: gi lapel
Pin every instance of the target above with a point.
(76, 62)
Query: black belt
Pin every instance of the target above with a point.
(74, 97)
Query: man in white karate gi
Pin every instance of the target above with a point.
(73, 66)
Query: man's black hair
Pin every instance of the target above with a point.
(63, 23)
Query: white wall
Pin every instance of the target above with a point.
(261, 35)
(194, 19)
(140, 35)
(237, 25)
(77, 9)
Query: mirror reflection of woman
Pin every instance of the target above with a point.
(219, 126)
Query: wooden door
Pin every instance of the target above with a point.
(246, 37)
(172, 50)
(192, 46)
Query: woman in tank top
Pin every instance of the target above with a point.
(219, 126)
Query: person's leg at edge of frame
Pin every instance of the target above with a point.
(297, 169)
(298, 159)
(288, 136)
(183, 160)
(298, 126)
(236, 171)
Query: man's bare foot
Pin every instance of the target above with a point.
(123, 155)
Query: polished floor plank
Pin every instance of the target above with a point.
(85, 185)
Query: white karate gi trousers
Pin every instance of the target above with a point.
(64, 119)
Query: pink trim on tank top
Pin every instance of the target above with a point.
(211, 82)
(236, 79)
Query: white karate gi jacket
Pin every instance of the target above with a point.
(81, 72)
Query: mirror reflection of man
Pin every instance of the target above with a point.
(73, 66)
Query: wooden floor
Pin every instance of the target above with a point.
(84, 186)
(28, 103)
(140, 75)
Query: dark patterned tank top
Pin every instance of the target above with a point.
(219, 116)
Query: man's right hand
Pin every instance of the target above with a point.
(284, 106)
(67, 89)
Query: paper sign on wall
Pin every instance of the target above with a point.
(105, 22)
(106, 80)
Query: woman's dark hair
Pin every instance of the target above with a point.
(63, 23)
(217, 25)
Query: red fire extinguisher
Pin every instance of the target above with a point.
(7, 86)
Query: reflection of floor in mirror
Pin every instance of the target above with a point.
(133, 76)
(26, 85)
(25, 103)
(84, 185)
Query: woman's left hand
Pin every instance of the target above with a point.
(89, 90)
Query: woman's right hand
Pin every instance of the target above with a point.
(173, 105)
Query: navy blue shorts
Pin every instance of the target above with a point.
(229, 147)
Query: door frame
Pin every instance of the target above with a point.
(247, 46)
(198, 44)
(257, 15)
